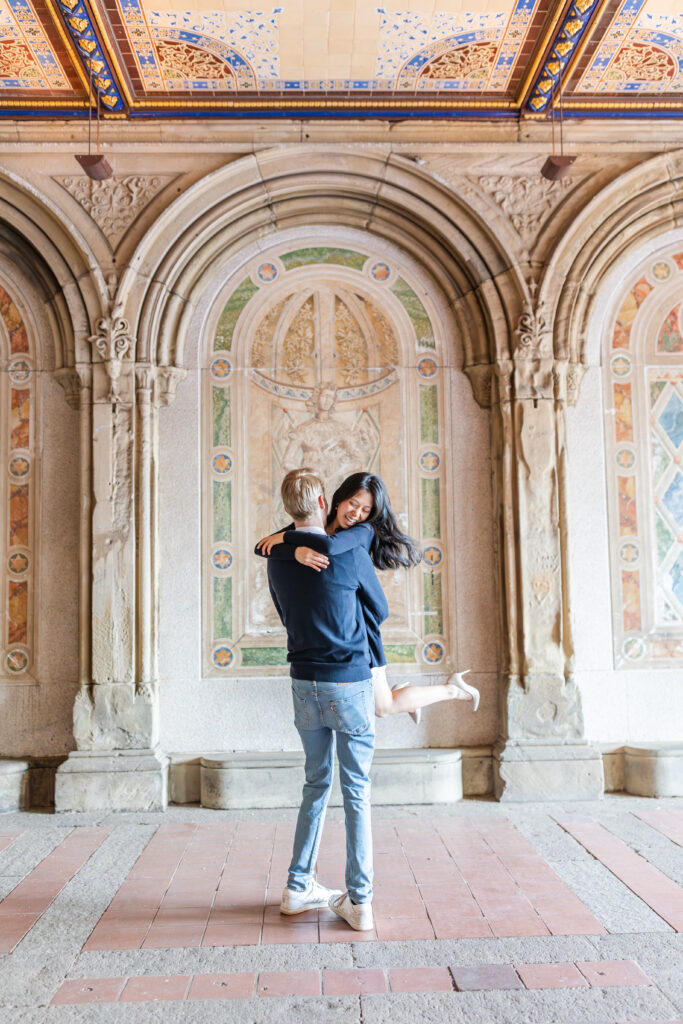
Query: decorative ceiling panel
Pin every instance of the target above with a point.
(495, 58)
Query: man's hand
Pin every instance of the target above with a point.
(266, 544)
(311, 558)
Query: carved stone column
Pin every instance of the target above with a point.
(118, 764)
(541, 754)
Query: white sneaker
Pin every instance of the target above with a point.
(313, 898)
(358, 915)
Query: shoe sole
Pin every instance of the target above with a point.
(356, 927)
(302, 910)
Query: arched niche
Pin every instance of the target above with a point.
(332, 356)
(643, 381)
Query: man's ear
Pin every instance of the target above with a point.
(321, 501)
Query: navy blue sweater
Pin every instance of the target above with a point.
(323, 614)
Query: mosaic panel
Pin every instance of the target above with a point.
(640, 53)
(321, 368)
(27, 58)
(17, 440)
(646, 439)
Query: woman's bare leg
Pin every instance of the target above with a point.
(409, 698)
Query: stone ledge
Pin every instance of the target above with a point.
(654, 769)
(116, 780)
(273, 779)
(14, 786)
(531, 772)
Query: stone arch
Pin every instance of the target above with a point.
(242, 204)
(36, 236)
(636, 209)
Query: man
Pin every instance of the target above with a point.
(332, 694)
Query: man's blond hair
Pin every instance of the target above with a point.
(300, 491)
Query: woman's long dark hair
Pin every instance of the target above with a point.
(391, 548)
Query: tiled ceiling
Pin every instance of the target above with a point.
(342, 58)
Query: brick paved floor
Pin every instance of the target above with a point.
(483, 913)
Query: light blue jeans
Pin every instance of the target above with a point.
(321, 711)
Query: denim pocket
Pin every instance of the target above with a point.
(351, 713)
(302, 714)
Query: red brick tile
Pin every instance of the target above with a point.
(509, 927)
(607, 973)
(551, 975)
(353, 981)
(222, 986)
(174, 936)
(152, 989)
(450, 927)
(488, 976)
(420, 979)
(648, 883)
(231, 934)
(288, 983)
(276, 934)
(339, 931)
(88, 990)
(403, 929)
(13, 927)
(272, 915)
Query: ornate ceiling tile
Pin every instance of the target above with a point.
(29, 58)
(314, 60)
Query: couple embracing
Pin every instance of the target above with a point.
(323, 584)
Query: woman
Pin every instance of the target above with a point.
(361, 514)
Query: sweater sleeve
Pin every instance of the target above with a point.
(281, 551)
(374, 605)
(359, 536)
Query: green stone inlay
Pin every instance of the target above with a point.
(433, 604)
(222, 435)
(656, 388)
(429, 415)
(264, 656)
(431, 508)
(422, 325)
(661, 459)
(398, 654)
(222, 510)
(323, 254)
(665, 539)
(222, 608)
(228, 318)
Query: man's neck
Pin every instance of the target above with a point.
(307, 524)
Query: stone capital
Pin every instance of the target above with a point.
(76, 383)
(112, 342)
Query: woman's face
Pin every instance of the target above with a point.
(355, 509)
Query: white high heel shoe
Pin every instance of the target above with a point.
(415, 715)
(457, 680)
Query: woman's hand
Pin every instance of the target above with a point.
(266, 544)
(311, 558)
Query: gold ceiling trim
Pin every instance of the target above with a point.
(622, 105)
(294, 104)
(44, 104)
(541, 49)
(578, 52)
(113, 59)
(68, 42)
